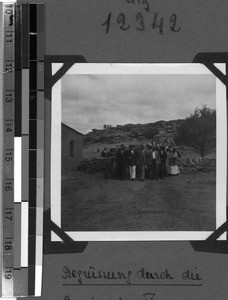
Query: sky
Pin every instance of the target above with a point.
(90, 101)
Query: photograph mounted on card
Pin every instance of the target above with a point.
(138, 152)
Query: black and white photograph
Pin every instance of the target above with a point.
(139, 151)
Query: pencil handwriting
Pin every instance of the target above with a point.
(155, 22)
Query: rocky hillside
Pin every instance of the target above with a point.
(129, 132)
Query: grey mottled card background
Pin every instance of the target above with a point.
(73, 27)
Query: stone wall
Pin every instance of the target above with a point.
(196, 164)
(187, 165)
(94, 165)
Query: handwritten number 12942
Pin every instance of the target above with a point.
(139, 24)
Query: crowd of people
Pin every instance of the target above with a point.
(152, 161)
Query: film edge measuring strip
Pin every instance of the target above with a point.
(211, 244)
(36, 145)
(28, 76)
(8, 158)
(1, 136)
(32, 131)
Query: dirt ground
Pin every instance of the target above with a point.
(182, 203)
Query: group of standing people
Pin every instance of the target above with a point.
(145, 161)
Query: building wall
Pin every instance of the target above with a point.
(71, 159)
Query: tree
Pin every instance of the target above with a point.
(199, 130)
(150, 132)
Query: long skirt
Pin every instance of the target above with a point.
(173, 170)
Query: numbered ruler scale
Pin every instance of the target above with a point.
(8, 163)
(23, 90)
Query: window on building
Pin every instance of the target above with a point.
(72, 149)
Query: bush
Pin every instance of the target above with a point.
(199, 130)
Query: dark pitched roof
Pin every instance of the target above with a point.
(68, 127)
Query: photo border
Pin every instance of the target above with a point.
(220, 152)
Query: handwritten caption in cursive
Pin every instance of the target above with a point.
(145, 296)
(143, 277)
(142, 20)
(94, 276)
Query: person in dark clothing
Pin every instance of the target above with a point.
(125, 163)
(148, 162)
(121, 162)
(163, 158)
(155, 163)
(132, 162)
(141, 161)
